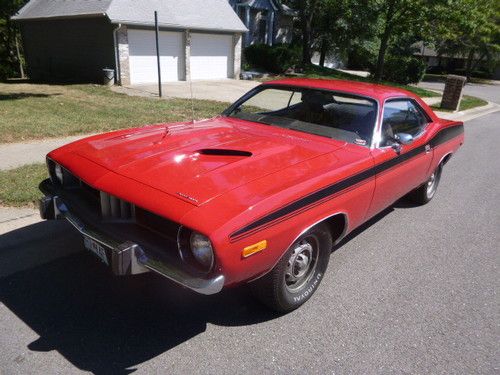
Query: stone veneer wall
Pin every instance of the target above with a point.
(187, 55)
(237, 48)
(123, 55)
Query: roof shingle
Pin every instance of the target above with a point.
(216, 15)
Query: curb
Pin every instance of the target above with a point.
(470, 114)
(15, 218)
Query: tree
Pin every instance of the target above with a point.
(307, 10)
(10, 52)
(397, 17)
(340, 24)
(470, 28)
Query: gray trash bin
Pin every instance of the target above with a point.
(108, 77)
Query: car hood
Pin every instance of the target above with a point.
(199, 161)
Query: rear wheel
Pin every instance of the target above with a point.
(299, 272)
(424, 193)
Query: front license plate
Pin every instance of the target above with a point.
(96, 248)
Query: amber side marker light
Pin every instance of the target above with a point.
(253, 249)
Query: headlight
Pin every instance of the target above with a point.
(59, 173)
(201, 249)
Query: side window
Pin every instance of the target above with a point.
(402, 116)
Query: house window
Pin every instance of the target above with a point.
(262, 30)
(242, 14)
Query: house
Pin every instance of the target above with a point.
(446, 62)
(76, 39)
(268, 21)
(436, 61)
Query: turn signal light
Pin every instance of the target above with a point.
(253, 249)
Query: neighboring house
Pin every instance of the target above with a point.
(76, 39)
(437, 62)
(268, 21)
(434, 59)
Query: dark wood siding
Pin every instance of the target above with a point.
(68, 50)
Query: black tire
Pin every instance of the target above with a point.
(282, 289)
(425, 192)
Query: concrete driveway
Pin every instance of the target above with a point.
(227, 90)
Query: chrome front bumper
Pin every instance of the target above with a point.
(125, 257)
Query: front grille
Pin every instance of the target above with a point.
(158, 224)
(116, 211)
(113, 208)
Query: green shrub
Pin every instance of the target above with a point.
(361, 57)
(274, 59)
(403, 69)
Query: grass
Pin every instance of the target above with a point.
(31, 111)
(468, 102)
(326, 73)
(19, 187)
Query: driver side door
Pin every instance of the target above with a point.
(400, 168)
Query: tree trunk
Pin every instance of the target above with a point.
(476, 63)
(468, 66)
(306, 42)
(324, 50)
(306, 15)
(19, 59)
(384, 43)
(384, 40)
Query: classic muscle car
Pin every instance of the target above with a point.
(257, 195)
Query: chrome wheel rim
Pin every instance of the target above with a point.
(432, 184)
(301, 264)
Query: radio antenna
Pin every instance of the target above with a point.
(188, 37)
(192, 97)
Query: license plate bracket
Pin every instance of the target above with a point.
(96, 248)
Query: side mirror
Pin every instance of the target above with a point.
(403, 138)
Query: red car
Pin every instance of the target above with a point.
(257, 195)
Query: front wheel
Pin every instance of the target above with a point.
(299, 272)
(424, 193)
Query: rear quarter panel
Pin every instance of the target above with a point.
(448, 144)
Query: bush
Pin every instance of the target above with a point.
(361, 57)
(403, 69)
(274, 59)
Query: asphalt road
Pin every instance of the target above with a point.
(490, 92)
(414, 291)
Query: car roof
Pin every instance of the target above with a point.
(375, 91)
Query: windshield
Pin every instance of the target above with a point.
(329, 114)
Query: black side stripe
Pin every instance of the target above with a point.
(440, 138)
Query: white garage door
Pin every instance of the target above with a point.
(211, 56)
(143, 63)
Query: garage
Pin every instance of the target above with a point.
(81, 40)
(143, 60)
(211, 56)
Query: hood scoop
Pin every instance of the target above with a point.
(224, 152)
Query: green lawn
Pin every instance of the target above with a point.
(326, 73)
(31, 111)
(19, 187)
(467, 102)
